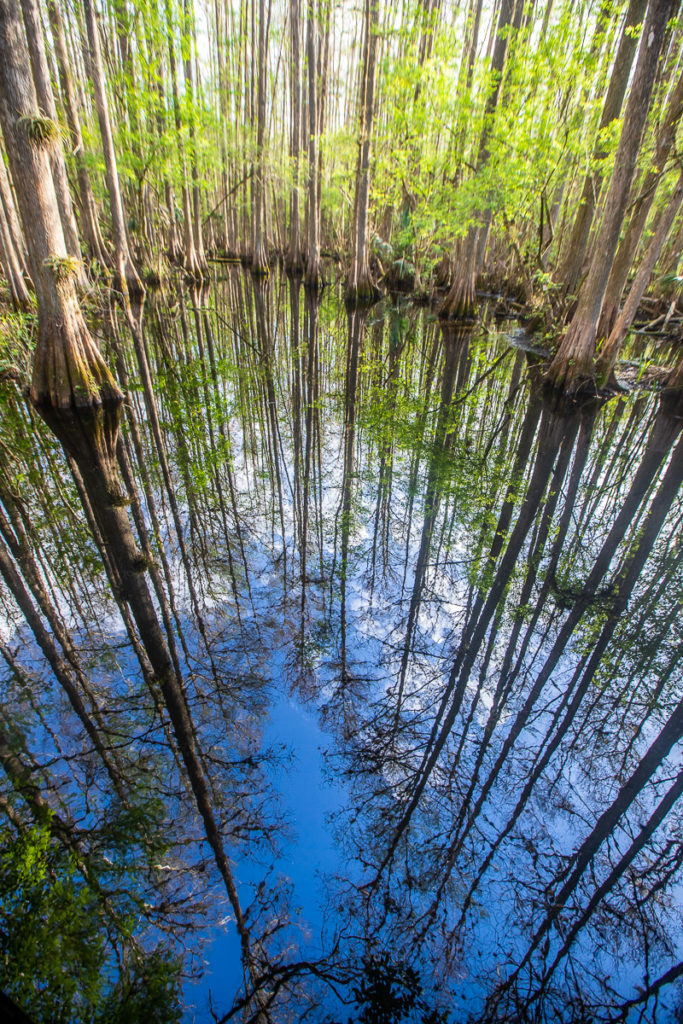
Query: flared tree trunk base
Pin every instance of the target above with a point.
(295, 264)
(313, 278)
(133, 283)
(361, 295)
(572, 382)
(175, 253)
(460, 304)
(195, 268)
(69, 370)
(442, 272)
(154, 276)
(259, 261)
(572, 371)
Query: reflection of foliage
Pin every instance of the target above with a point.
(53, 943)
(16, 345)
(390, 992)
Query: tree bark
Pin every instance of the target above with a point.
(607, 355)
(259, 257)
(196, 219)
(68, 368)
(313, 266)
(626, 252)
(191, 264)
(12, 218)
(460, 301)
(573, 367)
(295, 261)
(89, 217)
(125, 272)
(11, 265)
(360, 289)
(570, 270)
(46, 102)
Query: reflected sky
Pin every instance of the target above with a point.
(428, 624)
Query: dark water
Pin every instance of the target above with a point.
(429, 627)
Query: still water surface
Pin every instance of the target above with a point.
(429, 624)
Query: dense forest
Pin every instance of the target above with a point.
(341, 505)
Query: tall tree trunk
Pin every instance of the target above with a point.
(259, 260)
(626, 252)
(126, 275)
(574, 365)
(12, 218)
(191, 264)
(359, 287)
(46, 102)
(196, 218)
(475, 17)
(313, 264)
(607, 355)
(11, 266)
(295, 262)
(89, 218)
(224, 115)
(459, 303)
(570, 269)
(68, 368)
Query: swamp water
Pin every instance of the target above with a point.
(429, 629)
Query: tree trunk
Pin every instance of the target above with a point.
(473, 43)
(626, 252)
(295, 262)
(573, 368)
(46, 102)
(313, 265)
(68, 368)
(11, 266)
(459, 303)
(570, 270)
(125, 273)
(360, 289)
(259, 258)
(608, 353)
(89, 219)
(195, 219)
(12, 218)
(191, 264)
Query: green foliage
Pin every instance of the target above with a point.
(56, 959)
(148, 993)
(50, 954)
(389, 992)
(16, 343)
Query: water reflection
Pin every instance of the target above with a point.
(473, 592)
